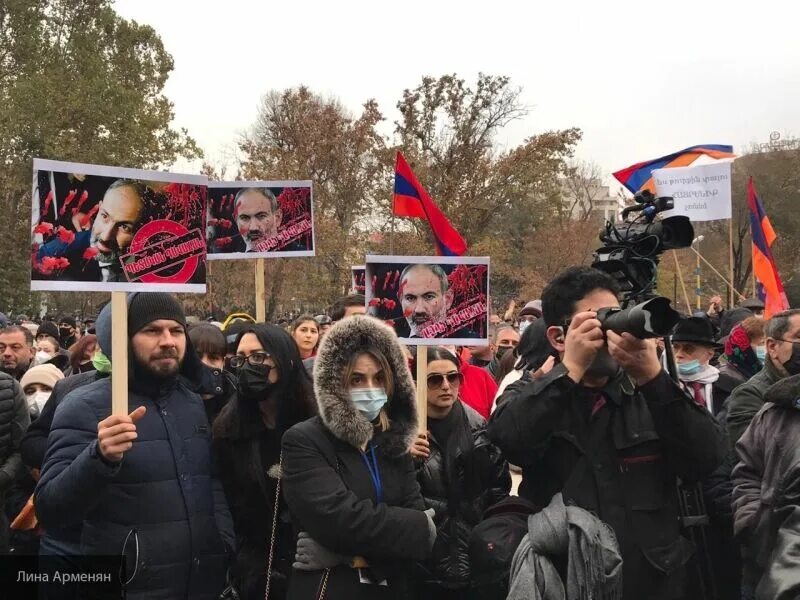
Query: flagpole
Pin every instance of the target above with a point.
(720, 275)
(730, 259)
(683, 285)
(391, 233)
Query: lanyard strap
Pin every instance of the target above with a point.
(374, 473)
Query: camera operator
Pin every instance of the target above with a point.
(612, 431)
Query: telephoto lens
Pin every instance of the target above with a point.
(653, 318)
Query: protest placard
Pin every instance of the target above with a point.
(702, 193)
(260, 219)
(430, 300)
(358, 279)
(97, 228)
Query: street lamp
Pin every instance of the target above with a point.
(697, 292)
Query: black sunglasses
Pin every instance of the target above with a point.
(437, 379)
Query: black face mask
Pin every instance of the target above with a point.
(65, 333)
(253, 382)
(792, 365)
(501, 351)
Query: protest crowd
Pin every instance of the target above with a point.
(288, 460)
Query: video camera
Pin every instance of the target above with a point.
(630, 254)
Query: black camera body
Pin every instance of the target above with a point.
(630, 254)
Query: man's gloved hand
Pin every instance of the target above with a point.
(312, 556)
(430, 513)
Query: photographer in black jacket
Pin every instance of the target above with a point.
(610, 429)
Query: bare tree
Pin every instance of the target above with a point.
(583, 188)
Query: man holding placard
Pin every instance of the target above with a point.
(141, 484)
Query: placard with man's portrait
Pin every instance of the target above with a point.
(260, 219)
(430, 300)
(97, 228)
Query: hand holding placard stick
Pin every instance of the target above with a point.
(420, 448)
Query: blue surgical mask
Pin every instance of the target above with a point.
(761, 353)
(523, 325)
(689, 368)
(369, 401)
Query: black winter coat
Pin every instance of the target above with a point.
(766, 494)
(327, 483)
(729, 379)
(331, 497)
(163, 489)
(14, 421)
(622, 462)
(248, 469)
(460, 482)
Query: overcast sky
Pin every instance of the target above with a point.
(641, 79)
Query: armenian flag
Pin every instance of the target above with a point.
(639, 177)
(411, 200)
(770, 287)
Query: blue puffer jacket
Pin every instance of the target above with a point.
(162, 495)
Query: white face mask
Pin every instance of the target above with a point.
(42, 357)
(36, 402)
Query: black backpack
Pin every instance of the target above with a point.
(492, 546)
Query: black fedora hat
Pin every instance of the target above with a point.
(695, 330)
(752, 303)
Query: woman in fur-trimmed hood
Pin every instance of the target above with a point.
(348, 477)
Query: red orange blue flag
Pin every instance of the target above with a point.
(770, 287)
(411, 200)
(639, 177)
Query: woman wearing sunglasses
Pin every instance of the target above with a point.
(273, 392)
(460, 473)
(348, 478)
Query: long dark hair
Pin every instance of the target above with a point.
(460, 445)
(294, 391)
(534, 348)
(505, 366)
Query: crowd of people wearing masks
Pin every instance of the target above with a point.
(290, 462)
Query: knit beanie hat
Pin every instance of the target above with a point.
(48, 328)
(44, 374)
(69, 320)
(103, 328)
(146, 307)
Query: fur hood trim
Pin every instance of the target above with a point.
(344, 340)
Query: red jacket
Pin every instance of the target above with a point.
(478, 390)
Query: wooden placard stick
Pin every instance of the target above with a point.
(119, 353)
(422, 388)
(261, 300)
